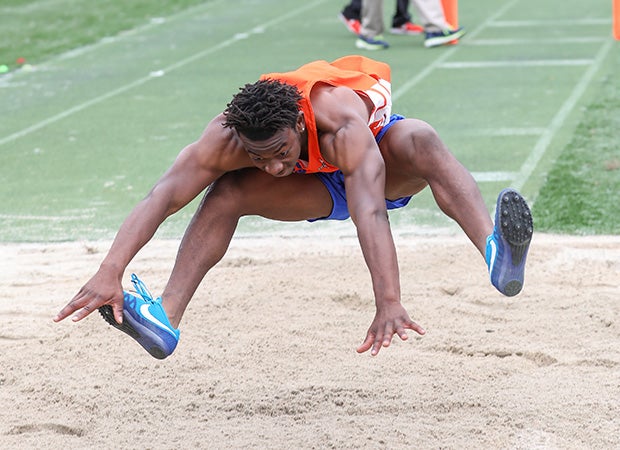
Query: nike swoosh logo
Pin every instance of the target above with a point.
(144, 310)
(493, 254)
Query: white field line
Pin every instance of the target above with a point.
(549, 23)
(482, 177)
(545, 41)
(32, 7)
(527, 167)
(493, 177)
(515, 63)
(505, 131)
(478, 176)
(5, 84)
(154, 21)
(44, 218)
(558, 121)
(447, 54)
(121, 89)
(548, 133)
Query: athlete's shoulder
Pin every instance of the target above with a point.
(221, 147)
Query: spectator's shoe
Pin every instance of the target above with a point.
(145, 320)
(408, 28)
(367, 43)
(435, 39)
(507, 247)
(353, 25)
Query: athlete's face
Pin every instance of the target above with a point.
(278, 154)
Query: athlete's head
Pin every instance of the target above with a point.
(261, 109)
(267, 117)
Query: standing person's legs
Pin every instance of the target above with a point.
(353, 10)
(351, 15)
(370, 36)
(431, 15)
(401, 15)
(437, 30)
(402, 21)
(372, 18)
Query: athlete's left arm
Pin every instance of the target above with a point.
(347, 142)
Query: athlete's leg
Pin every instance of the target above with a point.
(415, 157)
(236, 194)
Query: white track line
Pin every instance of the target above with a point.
(504, 131)
(515, 63)
(493, 176)
(530, 163)
(447, 53)
(140, 81)
(548, 133)
(558, 121)
(549, 23)
(45, 218)
(546, 41)
(32, 7)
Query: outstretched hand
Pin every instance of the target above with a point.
(104, 288)
(390, 319)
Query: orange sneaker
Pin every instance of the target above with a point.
(408, 28)
(353, 25)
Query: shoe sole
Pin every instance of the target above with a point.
(514, 218)
(150, 341)
(366, 46)
(443, 40)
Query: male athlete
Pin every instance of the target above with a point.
(317, 143)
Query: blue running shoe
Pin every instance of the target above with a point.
(437, 38)
(507, 247)
(145, 320)
(368, 43)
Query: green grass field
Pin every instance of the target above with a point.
(114, 90)
(39, 30)
(581, 193)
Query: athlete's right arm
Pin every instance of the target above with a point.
(198, 165)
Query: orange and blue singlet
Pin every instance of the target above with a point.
(369, 79)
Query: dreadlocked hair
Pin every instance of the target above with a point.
(261, 109)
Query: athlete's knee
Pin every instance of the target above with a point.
(428, 149)
(417, 150)
(425, 138)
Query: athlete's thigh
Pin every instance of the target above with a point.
(291, 198)
(402, 147)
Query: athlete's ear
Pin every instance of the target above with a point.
(301, 122)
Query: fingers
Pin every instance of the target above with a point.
(375, 341)
(417, 328)
(118, 312)
(75, 304)
(85, 302)
(86, 310)
(367, 343)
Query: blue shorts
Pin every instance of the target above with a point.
(334, 182)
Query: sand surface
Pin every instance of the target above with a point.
(267, 353)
